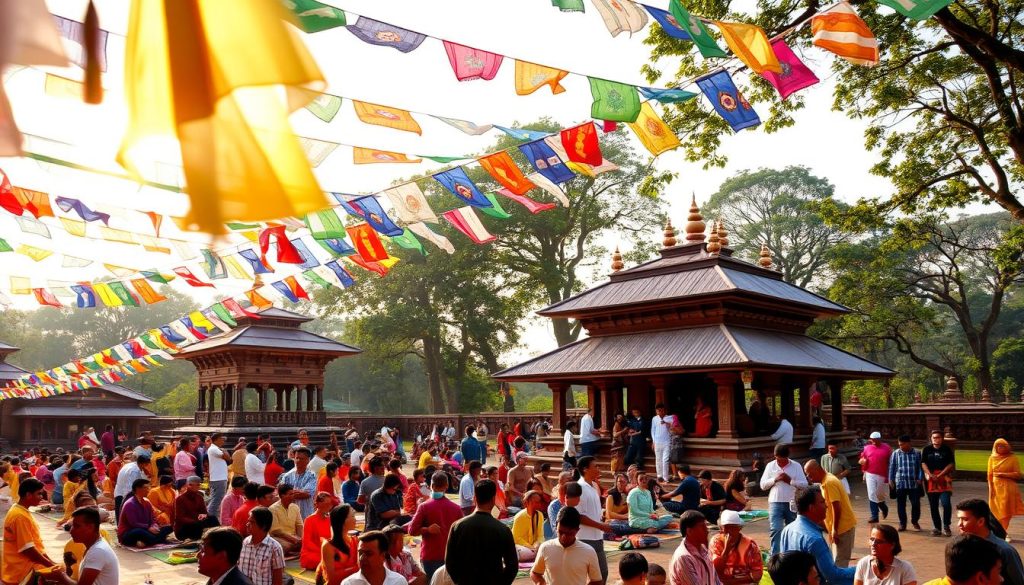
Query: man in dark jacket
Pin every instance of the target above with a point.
(480, 548)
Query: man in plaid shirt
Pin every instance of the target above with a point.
(905, 475)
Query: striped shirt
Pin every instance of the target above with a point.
(258, 561)
(905, 469)
(692, 566)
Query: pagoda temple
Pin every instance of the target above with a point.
(698, 323)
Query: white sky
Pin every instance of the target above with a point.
(828, 142)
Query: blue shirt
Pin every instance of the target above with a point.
(636, 424)
(802, 534)
(690, 489)
(349, 491)
(1013, 571)
(905, 469)
(302, 481)
(58, 478)
(553, 509)
(471, 450)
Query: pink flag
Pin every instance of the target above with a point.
(469, 63)
(795, 75)
(530, 205)
(469, 224)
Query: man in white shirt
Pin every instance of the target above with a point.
(99, 564)
(318, 461)
(565, 559)
(569, 446)
(592, 529)
(355, 458)
(218, 472)
(588, 438)
(467, 487)
(817, 439)
(784, 434)
(254, 468)
(661, 436)
(781, 476)
(373, 553)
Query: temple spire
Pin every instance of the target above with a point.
(617, 264)
(695, 225)
(723, 235)
(714, 245)
(670, 235)
(765, 259)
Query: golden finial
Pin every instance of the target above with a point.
(714, 245)
(765, 259)
(617, 264)
(695, 223)
(670, 235)
(723, 235)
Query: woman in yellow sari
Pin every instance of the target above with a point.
(1003, 473)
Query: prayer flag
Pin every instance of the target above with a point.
(469, 224)
(504, 170)
(569, 5)
(421, 230)
(383, 34)
(46, 298)
(198, 69)
(21, 285)
(621, 16)
(183, 250)
(156, 219)
(368, 208)
(190, 278)
(580, 143)
(116, 235)
(325, 224)
(119, 271)
(546, 161)
(192, 329)
(286, 252)
(795, 75)
(916, 9)
(410, 204)
(122, 292)
(171, 334)
(653, 132)
(495, 210)
(465, 126)
(33, 226)
(555, 142)
(7, 199)
(151, 244)
(668, 23)
(469, 63)
(367, 244)
(314, 17)
(324, 106)
(386, 116)
(4, 246)
(380, 268)
(750, 45)
(530, 77)
(444, 159)
(316, 151)
(258, 264)
(35, 202)
(236, 309)
(315, 278)
(408, 241)
(198, 319)
(75, 227)
(840, 31)
(698, 32)
(550, 188)
(146, 291)
(728, 101)
(530, 205)
(666, 96)
(457, 181)
(214, 265)
(66, 204)
(336, 247)
(157, 277)
(367, 156)
(290, 289)
(238, 226)
(613, 100)
(522, 133)
(36, 254)
(308, 259)
(344, 277)
(105, 295)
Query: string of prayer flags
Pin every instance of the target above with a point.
(286, 252)
(151, 244)
(465, 126)
(383, 34)
(369, 209)
(235, 269)
(467, 222)
(325, 224)
(495, 210)
(795, 75)
(146, 292)
(569, 5)
(312, 276)
(366, 156)
(532, 206)
(698, 32)
(728, 101)
(469, 63)
(839, 30)
(457, 181)
(189, 328)
(522, 133)
(115, 235)
(171, 334)
(580, 143)
(259, 265)
(324, 106)
(291, 289)
(21, 285)
(46, 298)
(444, 159)
(190, 278)
(314, 17)
(75, 227)
(668, 23)
(115, 294)
(35, 202)
(155, 276)
(916, 9)
(621, 16)
(377, 267)
(750, 44)
(666, 96)
(653, 132)
(408, 241)
(120, 271)
(66, 204)
(549, 187)
(421, 230)
(344, 276)
(198, 319)
(337, 247)
(33, 226)
(316, 151)
(530, 77)
(366, 242)
(613, 101)
(504, 170)
(386, 116)
(544, 159)
(168, 47)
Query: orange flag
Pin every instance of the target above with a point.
(366, 156)
(581, 145)
(504, 170)
(146, 291)
(840, 31)
(258, 300)
(367, 243)
(386, 116)
(36, 202)
(530, 77)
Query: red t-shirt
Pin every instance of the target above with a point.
(241, 517)
(271, 472)
(442, 512)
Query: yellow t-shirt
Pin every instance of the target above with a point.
(286, 520)
(20, 533)
(162, 499)
(11, 479)
(526, 533)
(832, 490)
(425, 459)
(939, 581)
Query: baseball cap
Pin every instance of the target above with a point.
(195, 479)
(730, 517)
(875, 435)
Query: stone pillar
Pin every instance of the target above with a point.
(725, 384)
(610, 389)
(835, 387)
(804, 421)
(558, 393)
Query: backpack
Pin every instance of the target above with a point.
(638, 541)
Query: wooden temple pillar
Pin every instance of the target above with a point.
(261, 397)
(835, 387)
(311, 398)
(279, 397)
(201, 404)
(558, 393)
(725, 386)
(788, 408)
(225, 399)
(287, 399)
(211, 400)
(660, 384)
(240, 396)
(611, 403)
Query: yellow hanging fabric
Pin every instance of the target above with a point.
(652, 131)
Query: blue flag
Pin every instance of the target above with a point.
(337, 246)
(522, 134)
(286, 292)
(171, 335)
(342, 274)
(457, 181)
(383, 34)
(368, 208)
(86, 298)
(308, 259)
(728, 101)
(214, 265)
(666, 96)
(546, 161)
(668, 23)
(257, 265)
(67, 204)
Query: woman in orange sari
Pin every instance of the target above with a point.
(1003, 473)
(338, 555)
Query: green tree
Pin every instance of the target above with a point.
(179, 401)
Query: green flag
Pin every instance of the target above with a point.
(325, 106)
(408, 241)
(316, 16)
(122, 293)
(569, 5)
(316, 278)
(236, 226)
(698, 32)
(223, 314)
(495, 209)
(325, 224)
(916, 9)
(443, 159)
(614, 101)
(4, 246)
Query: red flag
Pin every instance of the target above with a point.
(530, 205)
(367, 243)
(190, 278)
(157, 219)
(296, 288)
(7, 199)
(108, 358)
(504, 170)
(46, 298)
(609, 126)
(581, 145)
(366, 265)
(286, 251)
(236, 309)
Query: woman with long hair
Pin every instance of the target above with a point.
(338, 555)
(735, 491)
(1003, 473)
(616, 510)
(703, 418)
(641, 509)
(620, 438)
(882, 567)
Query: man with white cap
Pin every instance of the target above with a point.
(874, 462)
(737, 558)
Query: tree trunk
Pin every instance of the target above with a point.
(432, 365)
(565, 332)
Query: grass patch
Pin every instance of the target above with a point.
(977, 460)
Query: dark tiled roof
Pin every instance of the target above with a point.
(85, 411)
(699, 348)
(281, 338)
(276, 313)
(4, 347)
(10, 371)
(126, 392)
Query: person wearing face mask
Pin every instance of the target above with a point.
(432, 521)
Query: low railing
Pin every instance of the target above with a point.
(974, 425)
